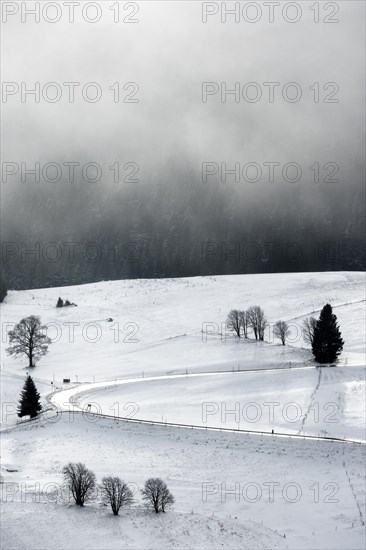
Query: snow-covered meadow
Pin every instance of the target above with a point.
(311, 401)
(169, 330)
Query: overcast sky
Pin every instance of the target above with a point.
(169, 53)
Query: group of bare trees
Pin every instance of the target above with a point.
(115, 492)
(323, 335)
(282, 330)
(240, 321)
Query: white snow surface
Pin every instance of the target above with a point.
(221, 481)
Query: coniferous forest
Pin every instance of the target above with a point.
(83, 232)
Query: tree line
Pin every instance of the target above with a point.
(322, 334)
(115, 492)
(158, 228)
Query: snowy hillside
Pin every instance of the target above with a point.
(157, 324)
(153, 349)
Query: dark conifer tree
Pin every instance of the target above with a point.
(327, 342)
(29, 404)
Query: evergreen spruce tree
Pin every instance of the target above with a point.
(29, 404)
(327, 342)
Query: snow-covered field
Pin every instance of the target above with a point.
(157, 324)
(310, 491)
(287, 400)
(162, 328)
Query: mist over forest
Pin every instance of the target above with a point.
(180, 228)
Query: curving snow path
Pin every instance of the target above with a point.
(69, 400)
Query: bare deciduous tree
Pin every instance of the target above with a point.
(233, 321)
(308, 327)
(28, 337)
(157, 494)
(116, 493)
(80, 481)
(244, 322)
(166, 498)
(257, 321)
(281, 330)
